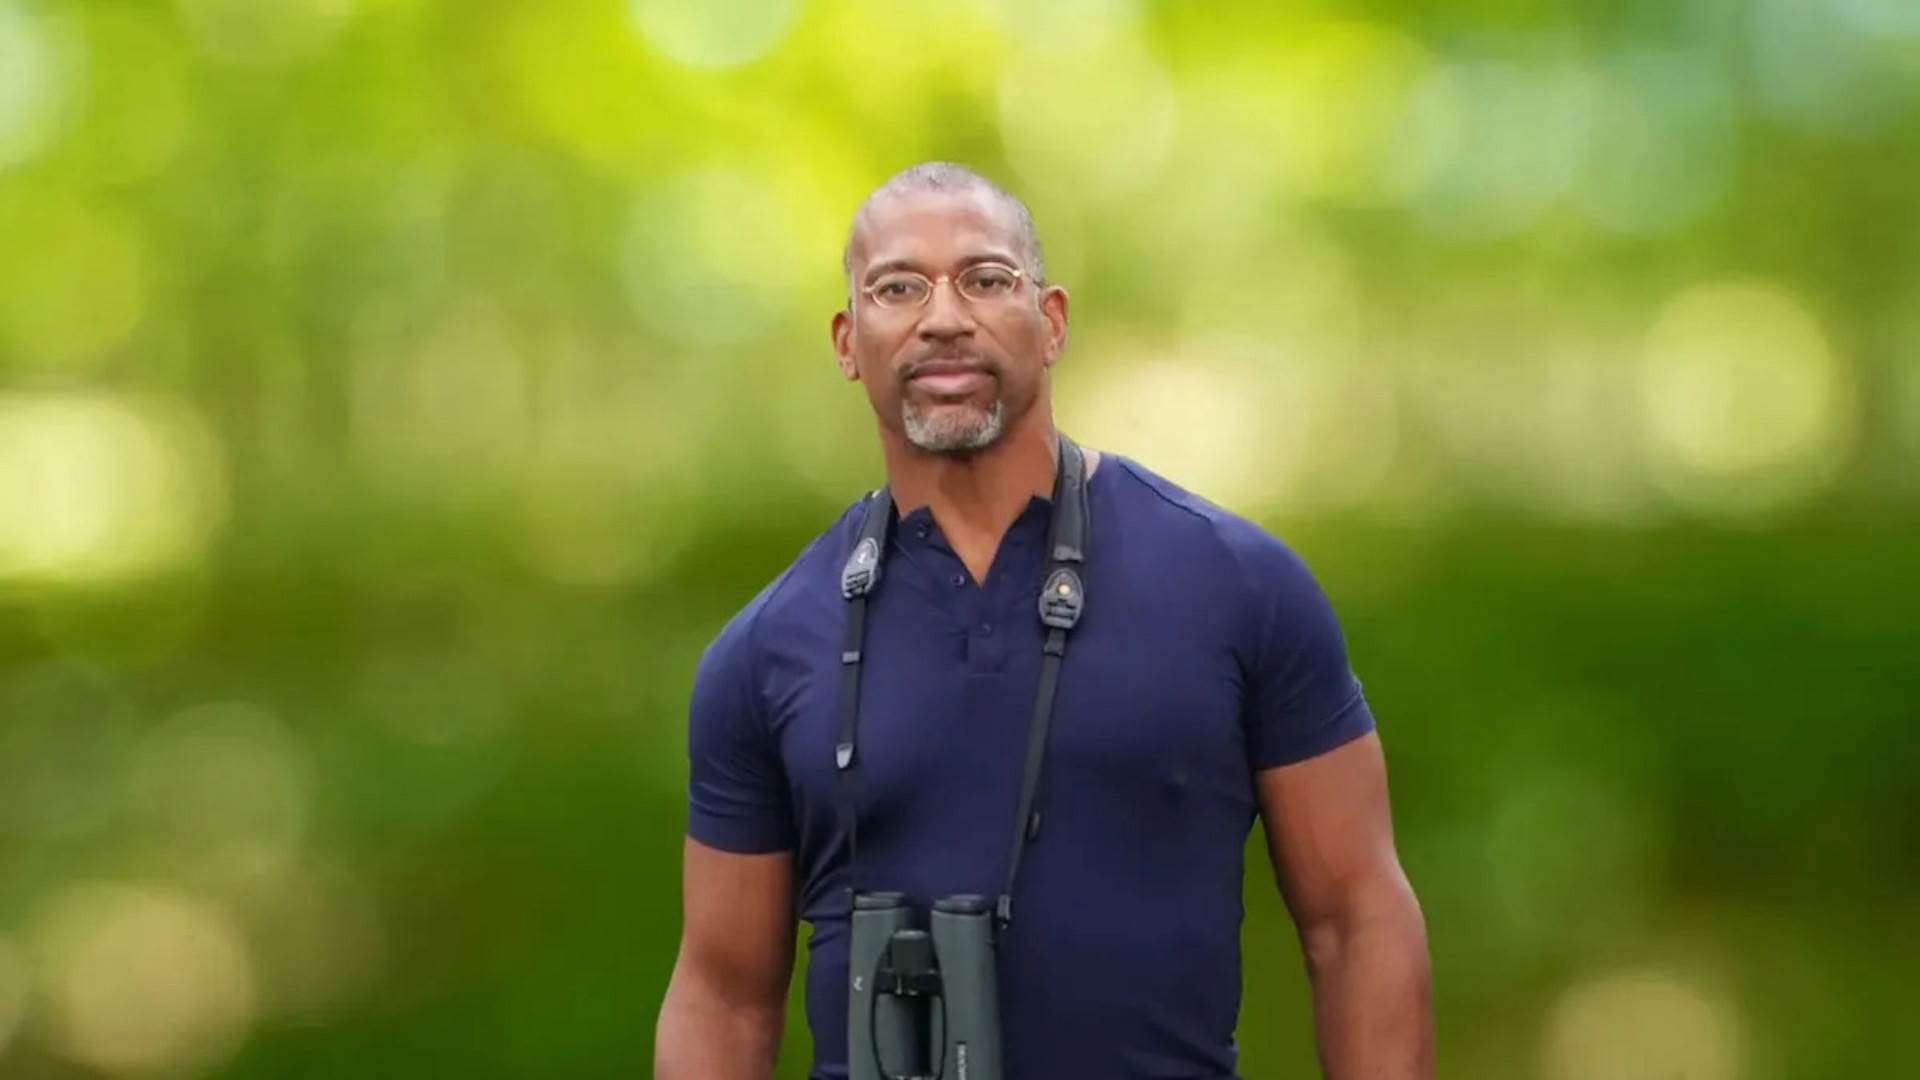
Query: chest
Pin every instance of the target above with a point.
(1149, 705)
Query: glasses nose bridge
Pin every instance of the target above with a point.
(961, 303)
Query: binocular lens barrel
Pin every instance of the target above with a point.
(922, 1003)
(883, 1031)
(963, 941)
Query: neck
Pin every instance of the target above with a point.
(975, 498)
(979, 493)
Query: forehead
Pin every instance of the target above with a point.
(934, 228)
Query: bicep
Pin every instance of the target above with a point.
(738, 925)
(1330, 832)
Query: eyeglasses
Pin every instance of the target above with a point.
(981, 283)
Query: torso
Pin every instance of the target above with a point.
(1124, 957)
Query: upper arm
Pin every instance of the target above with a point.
(1320, 776)
(738, 890)
(1302, 698)
(736, 945)
(738, 798)
(1330, 834)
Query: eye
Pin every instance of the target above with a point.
(899, 288)
(990, 280)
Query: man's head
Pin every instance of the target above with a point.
(949, 322)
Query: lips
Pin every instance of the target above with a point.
(949, 379)
(951, 383)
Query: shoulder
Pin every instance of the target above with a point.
(796, 598)
(1259, 559)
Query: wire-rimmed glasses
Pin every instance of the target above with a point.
(981, 283)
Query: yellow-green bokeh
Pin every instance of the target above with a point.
(396, 395)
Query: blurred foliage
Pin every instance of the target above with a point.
(396, 395)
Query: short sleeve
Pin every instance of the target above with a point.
(1303, 699)
(737, 794)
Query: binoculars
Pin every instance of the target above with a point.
(923, 1001)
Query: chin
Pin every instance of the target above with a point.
(954, 430)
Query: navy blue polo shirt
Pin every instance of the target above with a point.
(1206, 653)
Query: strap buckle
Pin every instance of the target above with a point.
(1062, 601)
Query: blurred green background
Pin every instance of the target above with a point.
(396, 395)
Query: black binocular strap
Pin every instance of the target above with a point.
(860, 577)
(1062, 599)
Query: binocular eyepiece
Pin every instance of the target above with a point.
(923, 1002)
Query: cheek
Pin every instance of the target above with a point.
(873, 359)
(1025, 339)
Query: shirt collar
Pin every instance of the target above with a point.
(918, 529)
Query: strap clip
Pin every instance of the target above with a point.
(1062, 601)
(862, 571)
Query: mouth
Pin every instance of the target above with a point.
(944, 378)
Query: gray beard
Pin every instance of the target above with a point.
(954, 431)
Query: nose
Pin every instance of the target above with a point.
(946, 315)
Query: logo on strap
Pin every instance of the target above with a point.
(861, 570)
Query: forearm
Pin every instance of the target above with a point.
(1373, 1014)
(702, 1037)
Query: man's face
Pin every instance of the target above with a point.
(952, 374)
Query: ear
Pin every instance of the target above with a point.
(842, 331)
(1053, 308)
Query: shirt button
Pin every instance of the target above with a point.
(920, 531)
(958, 580)
(986, 629)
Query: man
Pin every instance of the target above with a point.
(1206, 683)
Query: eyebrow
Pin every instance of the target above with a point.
(978, 257)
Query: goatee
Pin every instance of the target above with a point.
(954, 431)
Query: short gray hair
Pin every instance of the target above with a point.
(946, 176)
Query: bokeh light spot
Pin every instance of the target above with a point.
(443, 409)
(1828, 68)
(225, 785)
(1894, 18)
(1643, 1023)
(73, 280)
(98, 488)
(581, 74)
(319, 940)
(139, 107)
(1663, 143)
(35, 85)
(714, 33)
(1488, 145)
(1090, 124)
(144, 978)
(1343, 88)
(712, 258)
(265, 33)
(1071, 24)
(1213, 210)
(611, 491)
(1288, 337)
(1744, 403)
(1193, 422)
(1545, 889)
